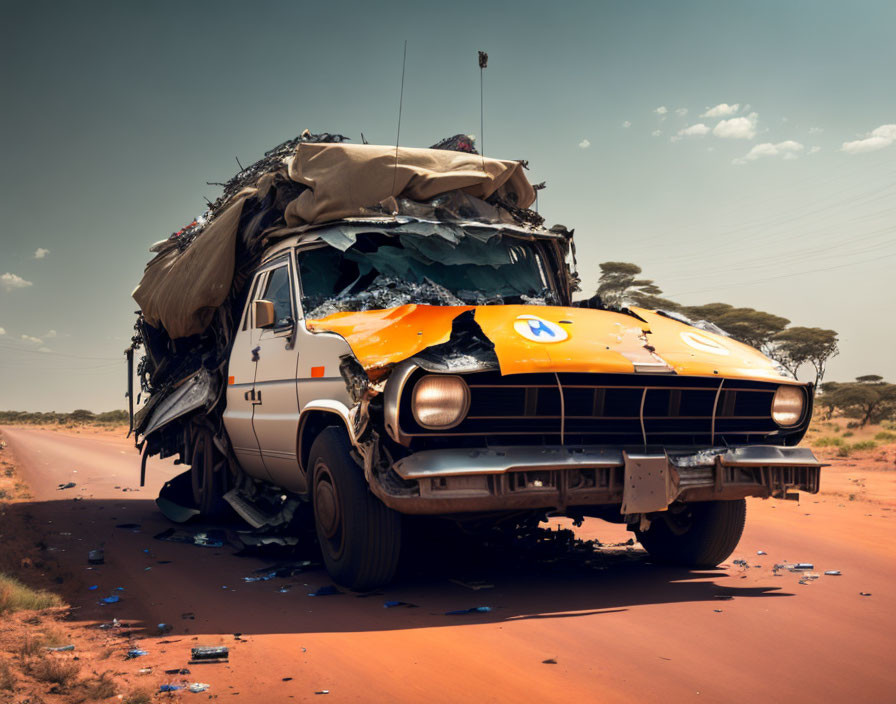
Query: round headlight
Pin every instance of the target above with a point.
(787, 406)
(440, 401)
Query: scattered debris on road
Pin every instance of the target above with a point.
(471, 610)
(209, 653)
(68, 485)
(327, 590)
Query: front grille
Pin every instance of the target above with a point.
(617, 409)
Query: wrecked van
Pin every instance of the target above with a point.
(369, 334)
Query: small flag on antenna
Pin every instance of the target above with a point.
(483, 59)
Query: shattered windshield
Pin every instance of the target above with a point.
(387, 270)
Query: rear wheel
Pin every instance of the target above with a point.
(208, 474)
(360, 537)
(701, 534)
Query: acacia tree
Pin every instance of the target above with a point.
(869, 399)
(828, 399)
(797, 346)
(619, 285)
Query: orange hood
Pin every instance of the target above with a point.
(553, 339)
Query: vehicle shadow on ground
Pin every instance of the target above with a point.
(550, 575)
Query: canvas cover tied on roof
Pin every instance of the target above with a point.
(184, 285)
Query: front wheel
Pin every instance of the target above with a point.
(701, 534)
(360, 538)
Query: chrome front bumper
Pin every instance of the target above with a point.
(513, 478)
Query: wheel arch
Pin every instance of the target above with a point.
(315, 417)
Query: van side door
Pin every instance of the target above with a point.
(276, 416)
(241, 386)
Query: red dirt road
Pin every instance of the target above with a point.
(628, 632)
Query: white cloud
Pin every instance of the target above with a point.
(681, 112)
(584, 144)
(657, 133)
(722, 110)
(626, 124)
(879, 138)
(2, 331)
(35, 340)
(697, 130)
(661, 110)
(44, 349)
(815, 130)
(737, 127)
(11, 281)
(788, 150)
(50, 334)
(41, 252)
(815, 150)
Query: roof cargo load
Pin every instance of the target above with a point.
(192, 273)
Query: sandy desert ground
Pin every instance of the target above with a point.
(609, 627)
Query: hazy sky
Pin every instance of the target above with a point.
(743, 152)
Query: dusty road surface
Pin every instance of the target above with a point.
(613, 628)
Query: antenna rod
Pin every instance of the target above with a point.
(483, 62)
(400, 102)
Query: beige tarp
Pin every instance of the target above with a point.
(181, 290)
(342, 180)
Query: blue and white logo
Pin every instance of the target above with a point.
(536, 329)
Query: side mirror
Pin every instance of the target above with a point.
(263, 314)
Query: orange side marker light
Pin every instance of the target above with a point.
(231, 380)
(317, 372)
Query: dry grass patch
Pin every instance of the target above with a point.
(7, 677)
(15, 596)
(57, 670)
(138, 696)
(96, 689)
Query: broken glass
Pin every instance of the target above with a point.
(384, 270)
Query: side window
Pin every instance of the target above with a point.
(279, 292)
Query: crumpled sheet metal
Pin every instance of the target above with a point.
(596, 341)
(197, 391)
(381, 338)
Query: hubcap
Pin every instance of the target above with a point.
(327, 510)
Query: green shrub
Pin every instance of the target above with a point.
(885, 436)
(848, 434)
(829, 441)
(864, 445)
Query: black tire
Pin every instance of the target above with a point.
(701, 534)
(208, 475)
(360, 538)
